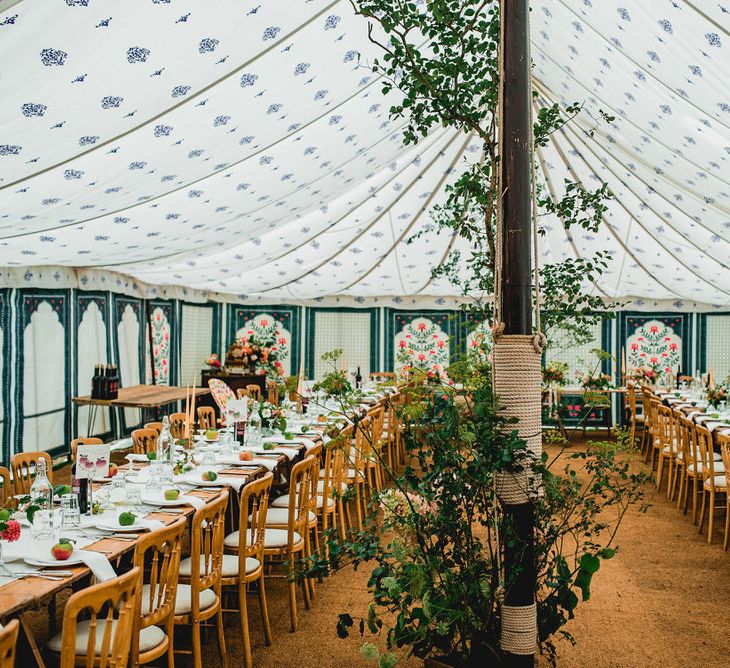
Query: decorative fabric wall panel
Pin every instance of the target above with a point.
(92, 344)
(355, 332)
(285, 319)
(579, 358)
(661, 340)
(196, 341)
(717, 346)
(129, 323)
(161, 319)
(426, 338)
(43, 372)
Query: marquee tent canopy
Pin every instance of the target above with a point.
(244, 149)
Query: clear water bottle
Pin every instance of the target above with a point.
(165, 451)
(41, 494)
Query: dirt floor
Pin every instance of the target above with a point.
(662, 601)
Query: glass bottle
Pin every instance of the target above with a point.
(165, 450)
(41, 495)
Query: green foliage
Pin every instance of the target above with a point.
(442, 56)
(433, 542)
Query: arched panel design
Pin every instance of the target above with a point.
(285, 319)
(424, 339)
(92, 348)
(160, 337)
(129, 345)
(43, 372)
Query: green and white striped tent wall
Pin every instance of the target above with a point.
(51, 339)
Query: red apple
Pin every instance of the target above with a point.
(62, 551)
(245, 456)
(112, 470)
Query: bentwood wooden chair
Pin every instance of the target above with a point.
(98, 622)
(177, 425)
(23, 464)
(635, 419)
(81, 440)
(6, 490)
(723, 440)
(715, 482)
(8, 642)
(158, 555)
(667, 446)
(358, 476)
(254, 391)
(157, 426)
(243, 558)
(198, 596)
(144, 441)
(646, 440)
(206, 417)
(272, 392)
(382, 376)
(653, 441)
(691, 465)
(287, 543)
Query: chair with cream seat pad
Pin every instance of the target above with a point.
(199, 594)
(103, 637)
(714, 484)
(289, 542)
(243, 557)
(667, 446)
(157, 553)
(723, 441)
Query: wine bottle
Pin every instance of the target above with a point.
(104, 383)
(95, 382)
(115, 382)
(358, 379)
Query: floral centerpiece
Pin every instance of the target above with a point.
(553, 374)
(9, 529)
(213, 362)
(718, 395)
(270, 414)
(600, 382)
(645, 374)
(257, 353)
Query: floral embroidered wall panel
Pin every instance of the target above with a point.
(268, 319)
(42, 371)
(661, 341)
(422, 339)
(160, 319)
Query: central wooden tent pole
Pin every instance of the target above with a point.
(516, 311)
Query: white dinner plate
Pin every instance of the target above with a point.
(113, 525)
(158, 499)
(195, 479)
(73, 560)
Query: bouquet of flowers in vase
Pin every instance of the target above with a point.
(270, 414)
(257, 353)
(213, 362)
(600, 382)
(554, 374)
(645, 374)
(718, 395)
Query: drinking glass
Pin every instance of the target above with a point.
(70, 513)
(118, 491)
(134, 495)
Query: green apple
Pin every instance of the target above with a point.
(127, 519)
(172, 494)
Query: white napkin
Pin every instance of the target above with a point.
(152, 525)
(194, 501)
(270, 464)
(132, 457)
(234, 482)
(97, 563)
